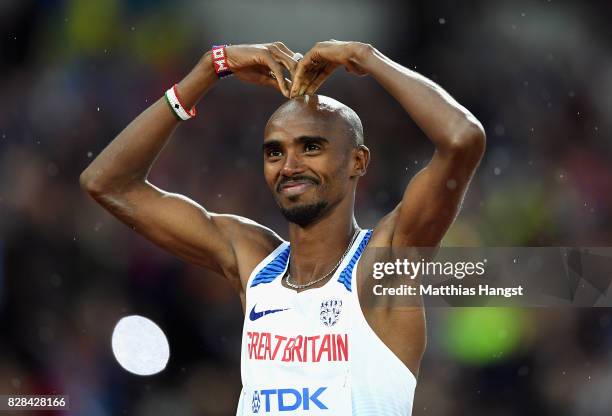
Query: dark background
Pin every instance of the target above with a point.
(538, 74)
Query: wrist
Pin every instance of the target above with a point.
(362, 56)
(205, 69)
(198, 81)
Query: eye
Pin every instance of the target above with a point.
(312, 147)
(273, 153)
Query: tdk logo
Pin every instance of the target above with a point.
(287, 400)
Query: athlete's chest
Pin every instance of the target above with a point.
(308, 327)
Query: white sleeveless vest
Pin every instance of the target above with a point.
(313, 353)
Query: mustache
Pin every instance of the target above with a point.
(297, 178)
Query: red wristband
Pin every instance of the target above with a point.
(219, 59)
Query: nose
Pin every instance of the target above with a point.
(293, 165)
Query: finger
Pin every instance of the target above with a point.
(273, 77)
(271, 82)
(309, 78)
(266, 78)
(282, 47)
(315, 71)
(277, 70)
(302, 69)
(296, 56)
(284, 58)
(320, 79)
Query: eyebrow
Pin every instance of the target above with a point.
(270, 144)
(312, 139)
(301, 139)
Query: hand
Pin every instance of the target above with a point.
(263, 64)
(323, 59)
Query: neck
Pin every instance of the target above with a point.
(316, 248)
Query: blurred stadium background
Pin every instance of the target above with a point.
(538, 74)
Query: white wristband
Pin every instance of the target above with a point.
(176, 105)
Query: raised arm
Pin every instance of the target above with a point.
(433, 197)
(117, 178)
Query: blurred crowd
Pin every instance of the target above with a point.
(537, 74)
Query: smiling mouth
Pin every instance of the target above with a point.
(294, 187)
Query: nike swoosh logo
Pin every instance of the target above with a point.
(253, 316)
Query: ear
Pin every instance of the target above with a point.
(361, 159)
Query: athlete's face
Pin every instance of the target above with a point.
(306, 163)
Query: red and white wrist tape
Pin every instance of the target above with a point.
(219, 58)
(177, 106)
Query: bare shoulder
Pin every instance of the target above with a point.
(251, 242)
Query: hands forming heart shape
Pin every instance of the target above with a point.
(265, 64)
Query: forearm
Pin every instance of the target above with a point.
(441, 117)
(129, 157)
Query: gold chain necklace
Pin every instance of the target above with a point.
(305, 285)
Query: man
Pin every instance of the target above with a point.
(309, 344)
